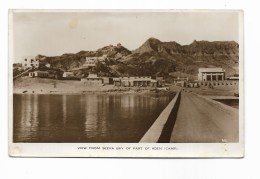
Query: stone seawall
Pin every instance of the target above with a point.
(161, 129)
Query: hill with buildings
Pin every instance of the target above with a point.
(153, 57)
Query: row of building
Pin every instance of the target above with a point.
(94, 80)
(32, 62)
(208, 77)
(196, 84)
(204, 75)
(138, 81)
(210, 74)
(47, 74)
(215, 75)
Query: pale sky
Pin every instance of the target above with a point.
(56, 33)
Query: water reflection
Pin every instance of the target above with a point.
(64, 109)
(85, 118)
(91, 115)
(29, 120)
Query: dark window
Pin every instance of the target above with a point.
(208, 78)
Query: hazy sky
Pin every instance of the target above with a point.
(55, 33)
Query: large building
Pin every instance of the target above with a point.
(30, 62)
(135, 81)
(92, 80)
(91, 61)
(211, 74)
(41, 74)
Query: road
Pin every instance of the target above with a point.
(204, 121)
(21, 74)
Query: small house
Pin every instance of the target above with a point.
(67, 74)
(107, 80)
(40, 74)
(48, 65)
(92, 80)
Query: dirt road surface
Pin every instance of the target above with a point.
(204, 121)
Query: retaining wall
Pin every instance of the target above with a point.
(162, 128)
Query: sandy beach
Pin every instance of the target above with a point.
(26, 85)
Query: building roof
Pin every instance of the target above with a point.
(135, 77)
(201, 70)
(68, 72)
(93, 76)
(41, 72)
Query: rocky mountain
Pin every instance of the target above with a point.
(70, 61)
(154, 57)
(171, 56)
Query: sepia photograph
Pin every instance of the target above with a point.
(126, 83)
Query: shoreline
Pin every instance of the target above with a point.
(26, 85)
(111, 91)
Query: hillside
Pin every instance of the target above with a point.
(171, 56)
(154, 57)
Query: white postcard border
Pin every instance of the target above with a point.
(144, 150)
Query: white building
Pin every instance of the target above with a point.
(211, 74)
(41, 74)
(143, 81)
(67, 74)
(48, 65)
(30, 62)
(90, 62)
(102, 58)
(92, 80)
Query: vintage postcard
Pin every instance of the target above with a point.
(126, 83)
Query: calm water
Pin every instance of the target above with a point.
(230, 102)
(85, 118)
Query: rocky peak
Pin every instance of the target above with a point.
(153, 41)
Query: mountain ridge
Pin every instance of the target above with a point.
(155, 57)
